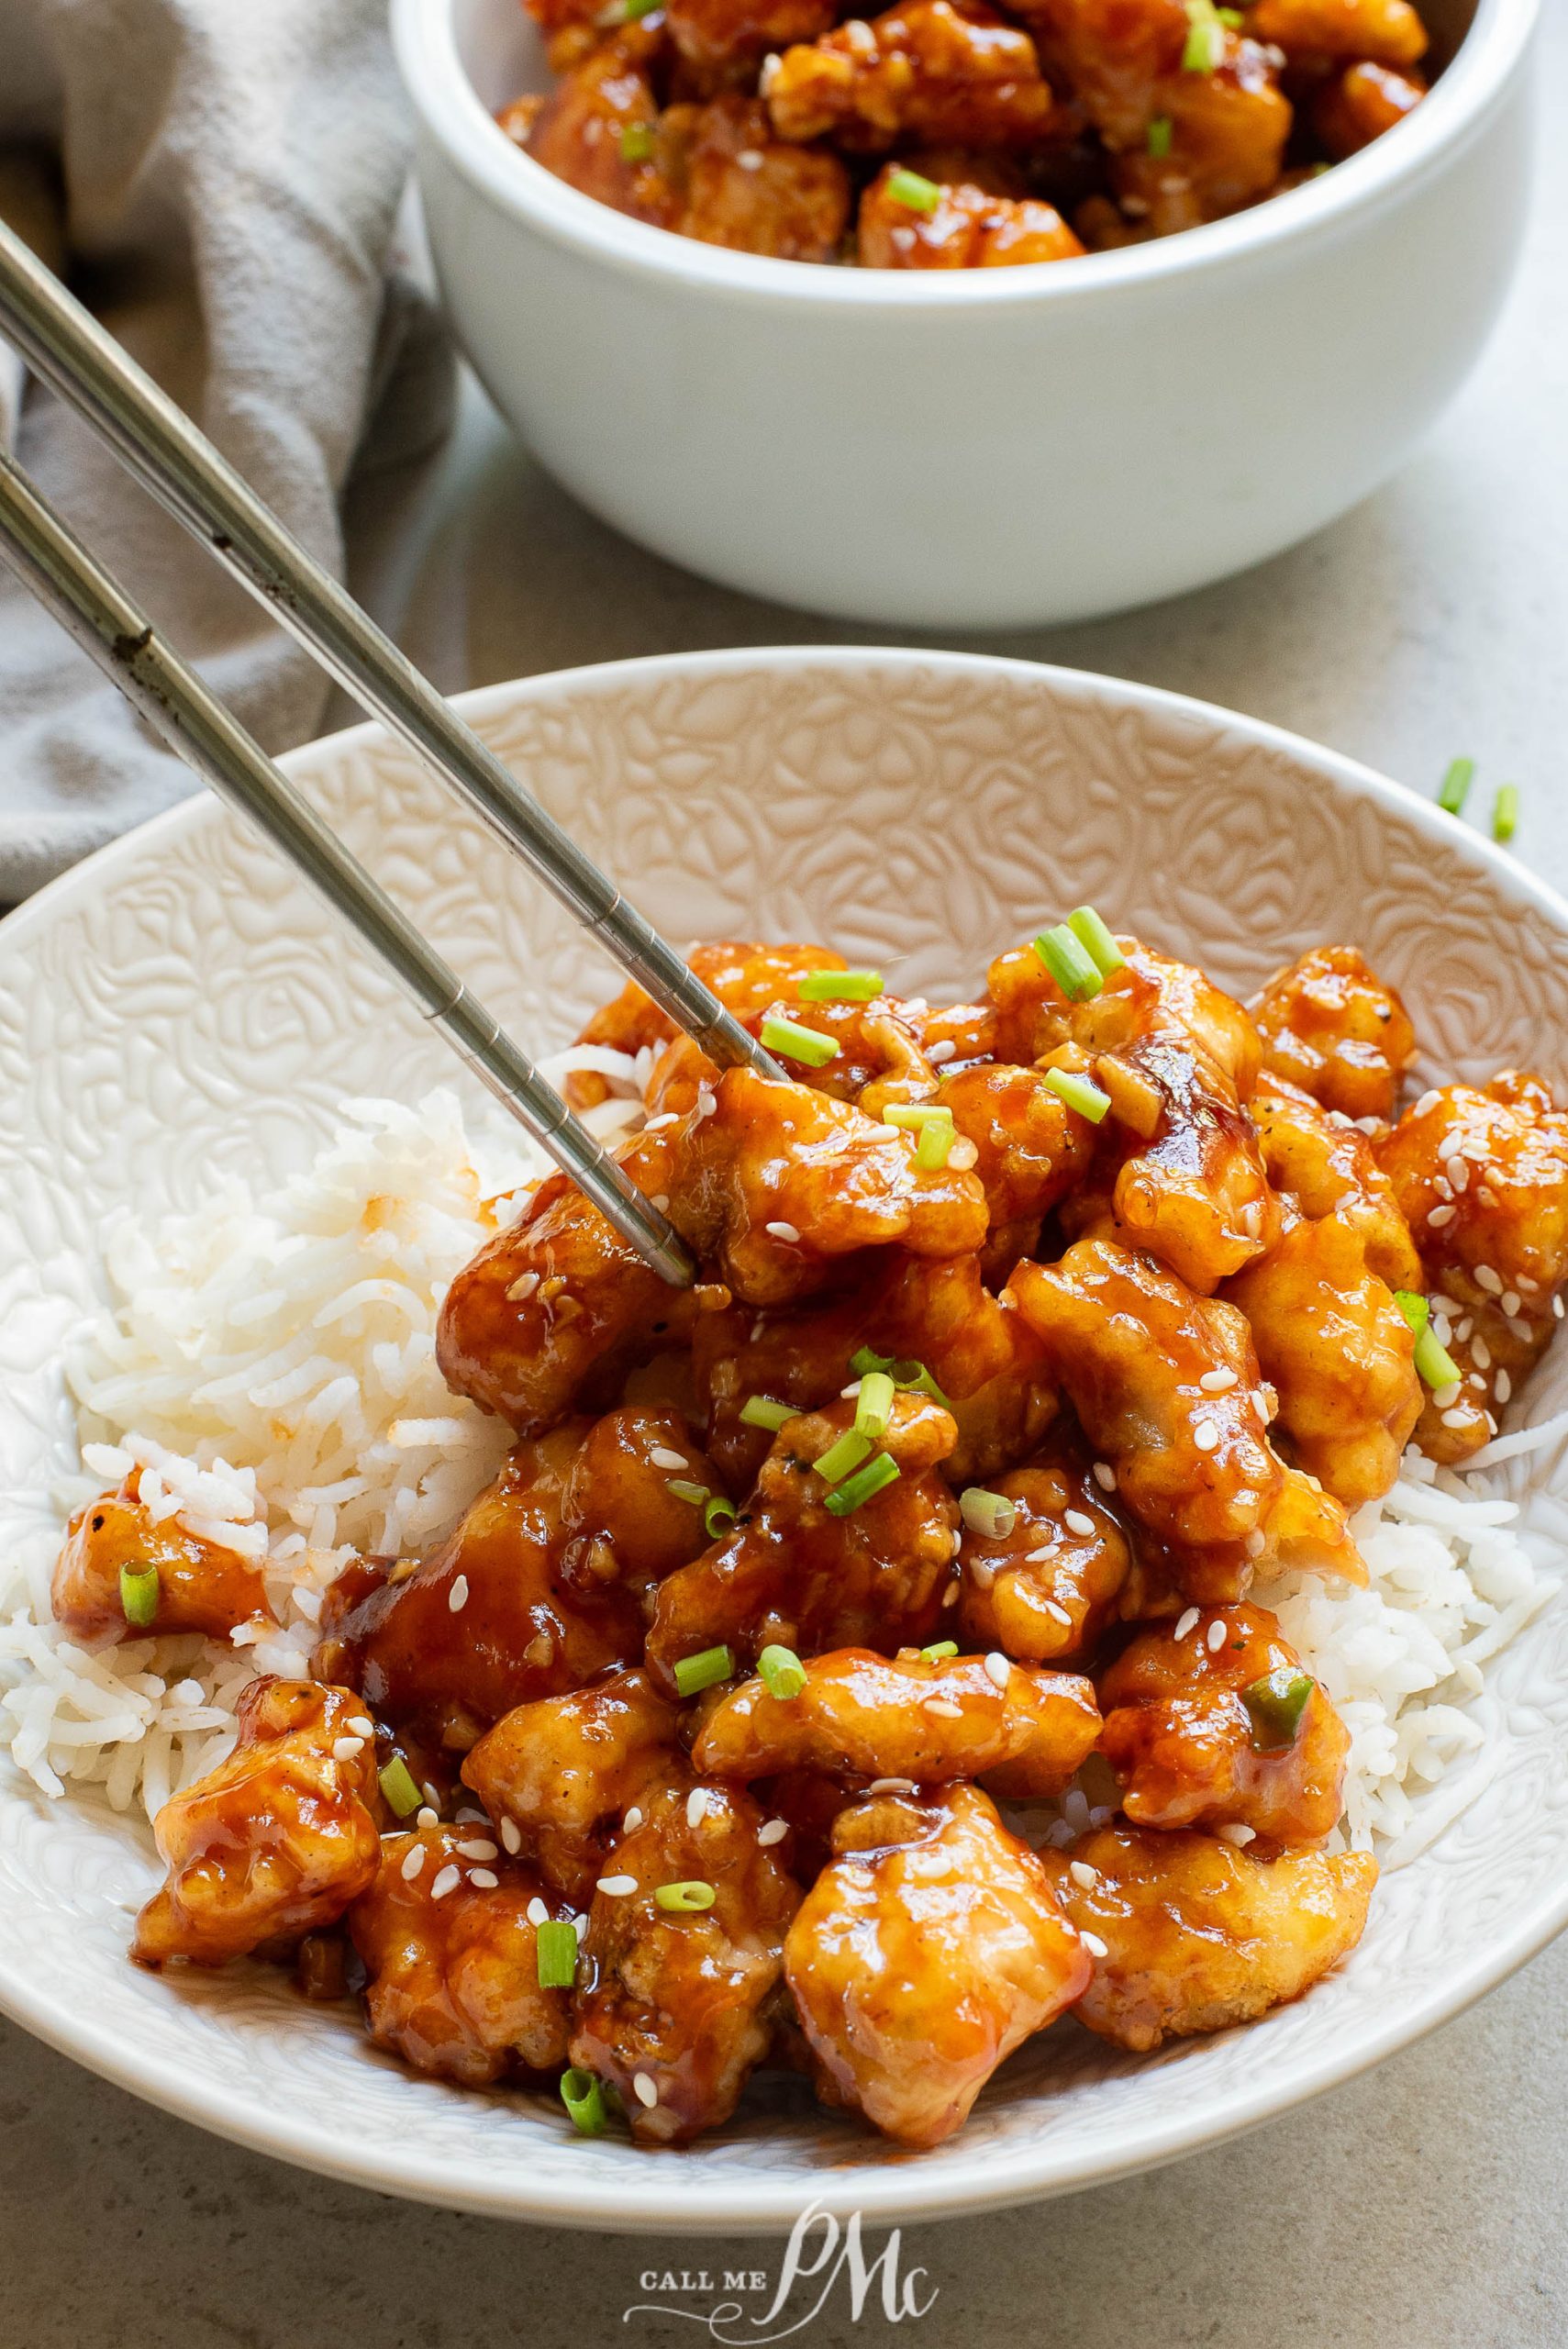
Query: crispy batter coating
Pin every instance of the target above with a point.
(453, 1984)
(580, 132)
(928, 1950)
(1229, 128)
(1324, 1166)
(743, 188)
(277, 1840)
(878, 1061)
(724, 38)
(1032, 1149)
(1049, 1587)
(1152, 995)
(1331, 1025)
(1200, 1935)
(1185, 1750)
(862, 1715)
(1113, 54)
(1359, 104)
(565, 1770)
(684, 2003)
(930, 70)
(790, 1571)
(201, 1587)
(1339, 1353)
(970, 228)
(744, 975)
(1388, 32)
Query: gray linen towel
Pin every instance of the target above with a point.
(219, 180)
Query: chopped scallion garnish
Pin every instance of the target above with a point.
(1277, 1704)
(1232, 16)
(1435, 1366)
(403, 1796)
(939, 1652)
(1416, 1309)
(783, 1674)
(1454, 788)
(1094, 937)
(990, 1514)
(909, 1377)
(866, 1358)
(1506, 812)
(1205, 46)
(1159, 139)
(138, 1595)
(840, 986)
(1078, 1094)
(685, 1490)
(933, 1144)
(686, 1898)
(555, 1946)
(1070, 964)
(584, 2100)
(874, 1404)
(807, 1045)
(915, 193)
(761, 1411)
(872, 1478)
(719, 1516)
(704, 1670)
(915, 1114)
(838, 1459)
(637, 142)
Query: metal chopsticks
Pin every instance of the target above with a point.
(68, 349)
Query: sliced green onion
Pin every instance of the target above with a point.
(138, 1595)
(1070, 964)
(807, 1045)
(704, 1670)
(1205, 46)
(584, 2100)
(1277, 1704)
(839, 1458)
(873, 1405)
(933, 1145)
(865, 1359)
(915, 1114)
(913, 1377)
(761, 1411)
(685, 1899)
(1454, 788)
(783, 1674)
(1416, 1309)
(685, 1490)
(637, 142)
(636, 8)
(872, 1478)
(1232, 16)
(840, 986)
(1078, 1094)
(719, 1516)
(939, 1652)
(555, 1944)
(1506, 812)
(1435, 1366)
(916, 195)
(397, 1785)
(1092, 933)
(992, 1514)
(1159, 135)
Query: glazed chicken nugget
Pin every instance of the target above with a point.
(1331, 1025)
(115, 1556)
(930, 70)
(965, 227)
(1046, 1587)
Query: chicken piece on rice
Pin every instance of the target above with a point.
(925, 1719)
(1331, 1026)
(1312, 32)
(116, 1557)
(1047, 1587)
(451, 1956)
(966, 227)
(928, 71)
(1323, 1167)
(539, 1587)
(677, 2000)
(1223, 1727)
(928, 1950)
(794, 1572)
(1167, 1387)
(1198, 1935)
(276, 1841)
(566, 1770)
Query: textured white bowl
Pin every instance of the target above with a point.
(982, 448)
(179, 1004)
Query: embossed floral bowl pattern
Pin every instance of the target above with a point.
(179, 1004)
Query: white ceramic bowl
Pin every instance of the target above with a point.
(180, 1005)
(984, 448)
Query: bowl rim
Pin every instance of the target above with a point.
(452, 114)
(671, 2202)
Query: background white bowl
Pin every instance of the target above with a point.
(180, 1005)
(984, 448)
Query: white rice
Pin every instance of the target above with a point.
(268, 1365)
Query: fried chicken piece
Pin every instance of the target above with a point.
(537, 1590)
(1166, 1386)
(567, 1769)
(1005, 1422)
(930, 70)
(860, 1715)
(202, 1586)
(1359, 104)
(276, 1841)
(727, 40)
(674, 2007)
(1200, 1935)
(1331, 1026)
(1339, 1353)
(585, 130)
(792, 1571)
(1152, 995)
(744, 188)
(1048, 1588)
(928, 1950)
(1229, 128)
(1325, 1167)
(1189, 1750)
(1112, 54)
(744, 975)
(451, 1956)
(968, 227)
(1310, 32)
(1032, 1149)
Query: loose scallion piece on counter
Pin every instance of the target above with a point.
(782, 1673)
(1078, 1094)
(1092, 934)
(704, 1670)
(794, 1042)
(1506, 813)
(838, 1459)
(1275, 1705)
(1070, 964)
(686, 1898)
(138, 1595)
(874, 1404)
(555, 1949)
(992, 1514)
(915, 193)
(403, 1796)
(872, 1478)
(1454, 788)
(840, 986)
(584, 2100)
(761, 1411)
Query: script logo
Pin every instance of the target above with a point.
(836, 2262)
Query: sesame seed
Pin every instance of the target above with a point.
(891, 1786)
(1428, 1102)
(706, 1106)
(697, 1806)
(1255, 1545)
(1205, 1435)
(1523, 1280)
(1093, 1945)
(950, 1595)
(943, 1708)
(942, 1049)
(511, 1836)
(998, 1667)
(357, 1722)
(1457, 1172)
(645, 2089)
(344, 1749)
(1058, 1612)
(1105, 1475)
(1481, 1354)
(663, 1457)
(1443, 1396)
(1076, 1522)
(1558, 1309)
(1511, 1302)
(657, 1125)
(633, 1819)
(1188, 1622)
(480, 1849)
(1082, 1872)
(457, 1596)
(1503, 1388)
(1487, 1279)
(772, 1830)
(537, 1914)
(981, 1573)
(523, 1286)
(750, 160)
(483, 1879)
(1214, 1636)
(413, 1861)
(447, 1881)
(616, 1887)
(426, 1817)
(1455, 1419)
(1441, 1216)
(1235, 1832)
(781, 1231)
(1476, 1381)
(1218, 1382)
